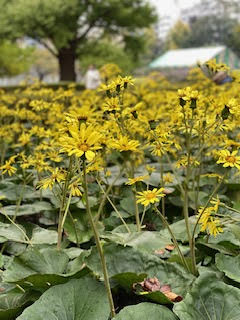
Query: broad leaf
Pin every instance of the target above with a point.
(229, 265)
(211, 248)
(122, 259)
(12, 232)
(146, 311)
(41, 236)
(78, 229)
(12, 302)
(82, 299)
(40, 268)
(179, 229)
(12, 191)
(210, 299)
(26, 209)
(148, 241)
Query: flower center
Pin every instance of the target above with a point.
(84, 147)
(150, 196)
(231, 159)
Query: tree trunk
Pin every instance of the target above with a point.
(66, 60)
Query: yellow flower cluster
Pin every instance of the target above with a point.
(139, 125)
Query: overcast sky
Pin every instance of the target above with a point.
(172, 7)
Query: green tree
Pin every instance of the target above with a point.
(210, 30)
(64, 26)
(178, 36)
(102, 52)
(14, 59)
(44, 63)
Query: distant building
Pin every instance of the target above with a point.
(181, 60)
(187, 58)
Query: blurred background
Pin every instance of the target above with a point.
(56, 40)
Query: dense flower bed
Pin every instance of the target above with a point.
(147, 173)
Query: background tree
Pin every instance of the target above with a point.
(44, 63)
(14, 59)
(210, 30)
(102, 52)
(178, 36)
(64, 26)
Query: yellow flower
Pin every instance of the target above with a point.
(168, 178)
(187, 94)
(83, 141)
(56, 176)
(74, 188)
(111, 105)
(204, 217)
(214, 226)
(229, 159)
(131, 181)
(125, 144)
(150, 196)
(24, 139)
(150, 169)
(7, 167)
(183, 162)
(208, 222)
(216, 202)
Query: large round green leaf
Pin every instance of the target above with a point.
(78, 229)
(40, 268)
(210, 299)
(12, 301)
(122, 259)
(26, 209)
(79, 299)
(146, 311)
(229, 265)
(148, 241)
(179, 229)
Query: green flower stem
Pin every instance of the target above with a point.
(199, 217)
(227, 217)
(106, 193)
(62, 206)
(175, 174)
(165, 223)
(186, 185)
(114, 207)
(138, 223)
(66, 210)
(185, 205)
(162, 185)
(143, 215)
(75, 228)
(98, 243)
(28, 241)
(229, 208)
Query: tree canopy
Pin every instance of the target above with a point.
(14, 59)
(65, 26)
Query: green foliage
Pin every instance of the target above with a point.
(14, 59)
(178, 36)
(229, 265)
(100, 53)
(210, 299)
(147, 311)
(211, 30)
(122, 259)
(83, 299)
(64, 26)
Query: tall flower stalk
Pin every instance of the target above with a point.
(98, 242)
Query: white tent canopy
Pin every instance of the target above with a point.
(182, 58)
